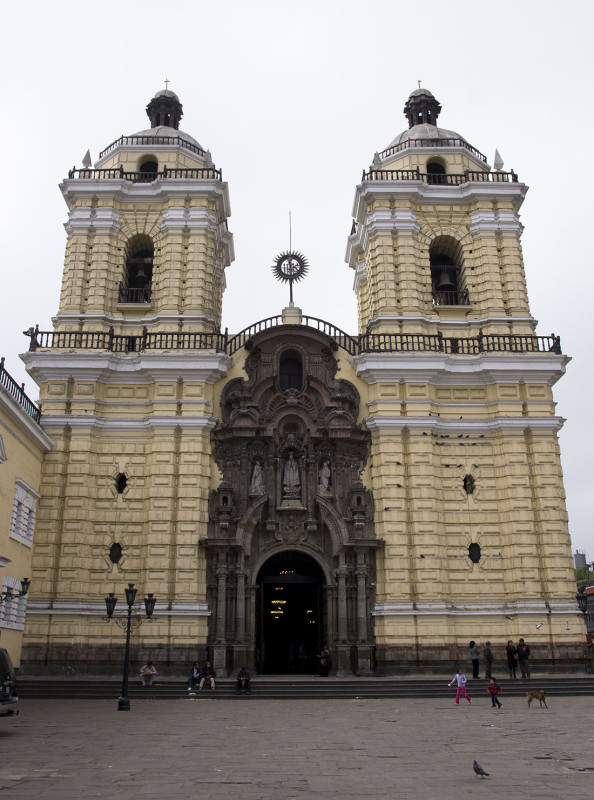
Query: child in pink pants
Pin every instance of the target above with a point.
(460, 678)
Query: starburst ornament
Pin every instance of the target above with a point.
(290, 267)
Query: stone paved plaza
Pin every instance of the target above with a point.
(248, 748)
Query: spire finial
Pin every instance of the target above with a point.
(419, 82)
(167, 82)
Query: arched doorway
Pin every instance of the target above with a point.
(292, 617)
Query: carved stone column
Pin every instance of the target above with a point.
(219, 657)
(364, 649)
(343, 660)
(240, 647)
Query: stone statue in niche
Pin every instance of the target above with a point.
(324, 476)
(257, 483)
(291, 480)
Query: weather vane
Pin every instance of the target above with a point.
(291, 266)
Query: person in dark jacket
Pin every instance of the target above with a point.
(523, 658)
(512, 659)
(243, 681)
(208, 676)
(194, 676)
(488, 656)
(474, 655)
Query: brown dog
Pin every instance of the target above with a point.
(540, 696)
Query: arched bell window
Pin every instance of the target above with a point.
(290, 373)
(138, 271)
(447, 274)
(436, 171)
(147, 170)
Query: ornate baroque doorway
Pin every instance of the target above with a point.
(291, 523)
(292, 620)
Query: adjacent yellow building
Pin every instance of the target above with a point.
(23, 445)
(391, 493)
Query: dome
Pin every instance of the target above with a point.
(166, 130)
(425, 131)
(166, 93)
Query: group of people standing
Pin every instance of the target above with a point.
(518, 655)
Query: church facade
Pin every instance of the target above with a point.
(391, 493)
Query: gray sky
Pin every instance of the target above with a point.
(293, 99)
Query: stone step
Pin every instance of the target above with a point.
(308, 688)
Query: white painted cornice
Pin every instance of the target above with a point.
(145, 368)
(95, 220)
(26, 427)
(487, 221)
(448, 427)
(160, 190)
(452, 370)
(380, 221)
(90, 608)
(562, 607)
(146, 321)
(120, 425)
(425, 193)
(441, 323)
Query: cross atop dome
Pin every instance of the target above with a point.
(421, 108)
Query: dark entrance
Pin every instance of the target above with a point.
(291, 615)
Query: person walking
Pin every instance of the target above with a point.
(523, 658)
(494, 690)
(512, 659)
(488, 656)
(460, 679)
(474, 655)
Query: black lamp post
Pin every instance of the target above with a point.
(582, 601)
(11, 594)
(127, 623)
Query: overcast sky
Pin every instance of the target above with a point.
(293, 99)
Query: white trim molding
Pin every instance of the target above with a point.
(460, 370)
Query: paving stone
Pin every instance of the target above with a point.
(399, 749)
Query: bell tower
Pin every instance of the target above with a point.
(436, 240)
(465, 465)
(127, 387)
(147, 234)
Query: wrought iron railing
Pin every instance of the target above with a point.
(119, 173)
(149, 141)
(397, 148)
(455, 298)
(126, 294)
(18, 393)
(355, 345)
(445, 180)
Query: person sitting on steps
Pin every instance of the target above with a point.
(243, 681)
(208, 676)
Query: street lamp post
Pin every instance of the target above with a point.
(127, 623)
(12, 594)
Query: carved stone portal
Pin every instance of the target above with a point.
(291, 454)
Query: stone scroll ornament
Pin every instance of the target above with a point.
(290, 267)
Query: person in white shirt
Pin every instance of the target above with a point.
(460, 679)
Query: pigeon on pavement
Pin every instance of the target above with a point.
(478, 769)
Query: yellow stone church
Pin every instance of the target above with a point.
(391, 493)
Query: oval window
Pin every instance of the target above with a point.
(474, 552)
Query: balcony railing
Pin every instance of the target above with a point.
(440, 180)
(130, 295)
(119, 173)
(397, 148)
(153, 141)
(441, 298)
(18, 393)
(355, 345)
